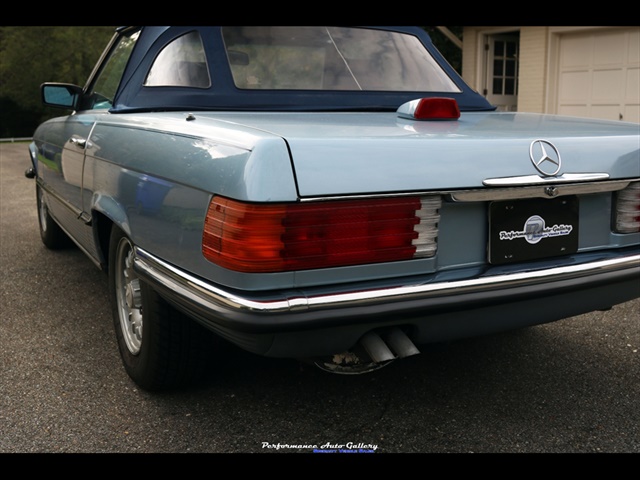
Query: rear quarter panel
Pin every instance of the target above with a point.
(156, 184)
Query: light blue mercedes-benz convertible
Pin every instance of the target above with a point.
(332, 194)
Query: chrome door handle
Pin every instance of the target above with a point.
(79, 142)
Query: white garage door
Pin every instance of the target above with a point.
(599, 74)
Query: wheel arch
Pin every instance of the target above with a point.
(107, 213)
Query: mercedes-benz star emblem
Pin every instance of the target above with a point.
(545, 157)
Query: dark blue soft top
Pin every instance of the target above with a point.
(221, 92)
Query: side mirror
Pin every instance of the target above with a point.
(60, 95)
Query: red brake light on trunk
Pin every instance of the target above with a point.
(437, 109)
(434, 108)
(284, 237)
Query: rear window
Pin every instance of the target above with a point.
(331, 58)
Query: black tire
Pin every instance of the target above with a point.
(53, 237)
(161, 348)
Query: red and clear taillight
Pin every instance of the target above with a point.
(627, 209)
(282, 237)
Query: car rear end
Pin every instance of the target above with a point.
(420, 230)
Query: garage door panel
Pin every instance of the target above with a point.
(607, 112)
(632, 94)
(599, 74)
(632, 114)
(574, 87)
(607, 49)
(573, 110)
(574, 54)
(633, 56)
(608, 86)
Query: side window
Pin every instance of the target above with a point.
(104, 88)
(182, 63)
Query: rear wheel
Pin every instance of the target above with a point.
(51, 234)
(160, 347)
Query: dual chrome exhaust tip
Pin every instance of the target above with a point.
(375, 350)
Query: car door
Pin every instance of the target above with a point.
(66, 145)
(61, 158)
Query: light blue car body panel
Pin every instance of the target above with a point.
(284, 157)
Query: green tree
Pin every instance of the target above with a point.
(30, 56)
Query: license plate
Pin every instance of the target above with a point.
(524, 230)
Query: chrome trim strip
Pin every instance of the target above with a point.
(538, 180)
(537, 191)
(215, 298)
(61, 200)
(366, 196)
(203, 293)
(531, 186)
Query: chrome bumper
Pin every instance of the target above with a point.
(225, 304)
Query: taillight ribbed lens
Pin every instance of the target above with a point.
(284, 237)
(627, 209)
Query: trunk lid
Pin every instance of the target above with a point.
(371, 153)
